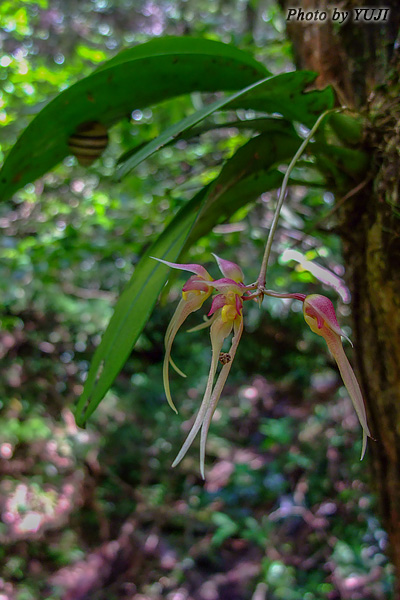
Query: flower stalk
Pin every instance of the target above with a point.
(282, 194)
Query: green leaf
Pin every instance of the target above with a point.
(133, 309)
(260, 124)
(289, 99)
(136, 78)
(246, 175)
(186, 45)
(348, 128)
(172, 132)
(282, 94)
(348, 160)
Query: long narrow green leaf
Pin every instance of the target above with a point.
(258, 125)
(172, 132)
(289, 98)
(133, 309)
(282, 93)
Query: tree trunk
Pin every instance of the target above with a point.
(370, 231)
(360, 60)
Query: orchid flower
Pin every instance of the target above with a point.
(225, 317)
(319, 314)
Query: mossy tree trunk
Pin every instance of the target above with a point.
(360, 60)
(370, 232)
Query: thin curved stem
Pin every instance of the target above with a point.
(263, 270)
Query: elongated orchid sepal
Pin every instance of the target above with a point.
(183, 310)
(176, 368)
(195, 291)
(219, 331)
(238, 329)
(192, 268)
(192, 434)
(320, 315)
(349, 379)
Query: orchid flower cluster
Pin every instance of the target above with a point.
(225, 317)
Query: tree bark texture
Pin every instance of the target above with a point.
(362, 62)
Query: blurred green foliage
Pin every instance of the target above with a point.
(286, 510)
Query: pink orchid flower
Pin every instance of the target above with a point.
(319, 314)
(226, 317)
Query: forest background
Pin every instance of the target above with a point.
(287, 510)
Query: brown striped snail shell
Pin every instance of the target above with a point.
(88, 143)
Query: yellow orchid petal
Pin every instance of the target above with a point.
(228, 313)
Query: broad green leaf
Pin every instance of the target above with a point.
(133, 309)
(174, 45)
(142, 76)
